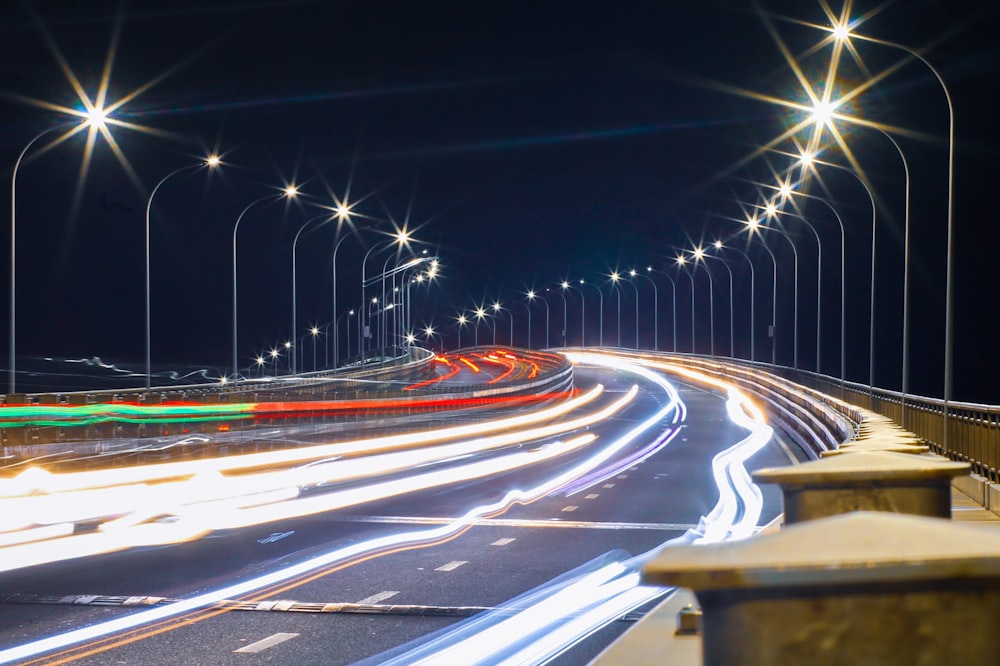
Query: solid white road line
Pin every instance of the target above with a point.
(270, 641)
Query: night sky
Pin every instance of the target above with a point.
(522, 143)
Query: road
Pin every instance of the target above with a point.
(431, 571)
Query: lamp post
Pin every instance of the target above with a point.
(343, 214)
(565, 285)
(616, 277)
(673, 307)
(819, 272)
(497, 309)
(401, 238)
(480, 313)
(546, 302)
(704, 255)
(462, 320)
(787, 190)
(795, 291)
(314, 332)
(753, 230)
(95, 118)
(600, 318)
(295, 318)
(614, 283)
(656, 314)
(531, 297)
(719, 246)
(807, 159)
(290, 192)
(698, 253)
(211, 162)
(681, 262)
(842, 33)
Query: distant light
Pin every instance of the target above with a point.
(822, 113)
(429, 331)
(314, 330)
(806, 159)
(213, 161)
(291, 191)
(699, 253)
(288, 345)
(785, 190)
(771, 209)
(260, 360)
(681, 261)
(615, 277)
(462, 320)
(718, 245)
(97, 117)
(343, 212)
(496, 306)
(530, 295)
(841, 32)
(565, 284)
(633, 272)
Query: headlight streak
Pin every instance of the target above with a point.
(612, 599)
(38, 480)
(140, 618)
(234, 493)
(551, 632)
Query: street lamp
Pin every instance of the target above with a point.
(808, 160)
(210, 162)
(699, 253)
(786, 190)
(681, 262)
(480, 313)
(314, 332)
(704, 255)
(771, 212)
(343, 214)
(600, 319)
(842, 33)
(94, 118)
(673, 306)
(656, 314)
(719, 246)
(295, 318)
(819, 271)
(461, 320)
(614, 283)
(289, 192)
(753, 231)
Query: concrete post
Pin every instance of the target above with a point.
(865, 481)
(860, 588)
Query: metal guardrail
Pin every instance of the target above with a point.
(973, 430)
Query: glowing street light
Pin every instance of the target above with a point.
(462, 321)
(210, 162)
(681, 262)
(289, 192)
(89, 120)
(480, 314)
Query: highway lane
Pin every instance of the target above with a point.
(496, 560)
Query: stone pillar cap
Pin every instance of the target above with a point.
(874, 445)
(878, 466)
(866, 547)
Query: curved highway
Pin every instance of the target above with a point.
(512, 533)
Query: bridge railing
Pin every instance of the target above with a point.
(963, 431)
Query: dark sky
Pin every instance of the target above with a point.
(524, 142)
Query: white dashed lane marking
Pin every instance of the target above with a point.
(592, 496)
(376, 598)
(569, 508)
(268, 642)
(608, 485)
(623, 476)
(504, 541)
(451, 566)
